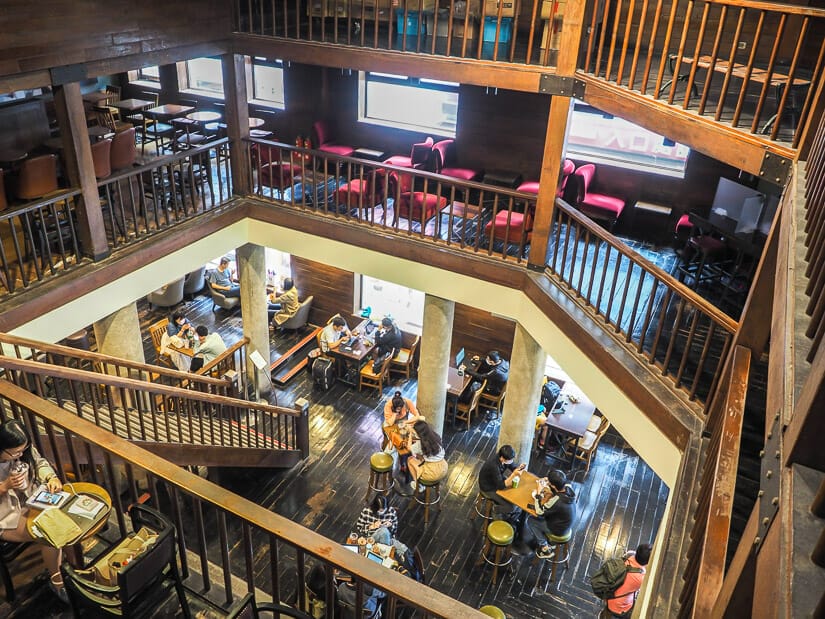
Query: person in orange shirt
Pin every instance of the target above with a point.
(621, 604)
(399, 415)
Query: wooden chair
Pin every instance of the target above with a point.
(402, 362)
(496, 402)
(156, 331)
(586, 445)
(465, 411)
(374, 380)
(105, 118)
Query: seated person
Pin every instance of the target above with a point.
(22, 470)
(221, 280)
(399, 412)
(208, 346)
(387, 340)
(346, 597)
(494, 370)
(380, 521)
(498, 473)
(282, 307)
(333, 334)
(427, 462)
(179, 334)
(555, 507)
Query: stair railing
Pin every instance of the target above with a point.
(141, 411)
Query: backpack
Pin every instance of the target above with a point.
(609, 577)
(322, 372)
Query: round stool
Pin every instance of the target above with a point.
(493, 611)
(561, 544)
(428, 493)
(484, 508)
(380, 473)
(498, 540)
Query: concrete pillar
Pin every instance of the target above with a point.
(435, 360)
(518, 419)
(251, 261)
(119, 335)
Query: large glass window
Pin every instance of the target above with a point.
(404, 305)
(408, 103)
(602, 138)
(267, 83)
(147, 76)
(201, 76)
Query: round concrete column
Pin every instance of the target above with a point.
(251, 261)
(518, 419)
(118, 334)
(435, 360)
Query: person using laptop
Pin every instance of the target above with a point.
(387, 342)
(333, 334)
(494, 369)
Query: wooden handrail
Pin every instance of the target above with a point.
(202, 493)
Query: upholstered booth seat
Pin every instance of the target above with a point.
(445, 162)
(325, 140)
(596, 205)
(420, 158)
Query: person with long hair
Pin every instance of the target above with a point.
(22, 471)
(399, 413)
(427, 461)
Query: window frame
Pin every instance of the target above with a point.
(365, 77)
(138, 77)
(250, 63)
(408, 327)
(184, 86)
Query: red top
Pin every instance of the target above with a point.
(625, 594)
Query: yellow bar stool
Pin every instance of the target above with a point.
(561, 556)
(380, 473)
(428, 493)
(498, 541)
(493, 611)
(484, 508)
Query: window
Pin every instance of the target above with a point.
(202, 76)
(267, 80)
(278, 267)
(408, 103)
(405, 305)
(147, 76)
(601, 138)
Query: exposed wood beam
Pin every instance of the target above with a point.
(466, 71)
(736, 148)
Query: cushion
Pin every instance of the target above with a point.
(586, 441)
(336, 149)
(464, 174)
(500, 224)
(402, 161)
(559, 539)
(529, 187)
(601, 203)
(412, 204)
(381, 462)
(500, 532)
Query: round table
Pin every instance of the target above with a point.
(204, 117)
(89, 526)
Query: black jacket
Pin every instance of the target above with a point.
(493, 473)
(559, 512)
(496, 375)
(388, 341)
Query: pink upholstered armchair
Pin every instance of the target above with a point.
(421, 155)
(415, 205)
(567, 169)
(445, 162)
(325, 140)
(511, 227)
(597, 206)
(272, 172)
(365, 192)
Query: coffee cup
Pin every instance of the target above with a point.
(21, 467)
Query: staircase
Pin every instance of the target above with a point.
(189, 422)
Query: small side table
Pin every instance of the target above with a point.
(502, 178)
(369, 154)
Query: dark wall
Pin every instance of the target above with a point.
(474, 330)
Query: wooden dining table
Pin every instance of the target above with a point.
(568, 418)
(168, 111)
(523, 495)
(352, 357)
(131, 105)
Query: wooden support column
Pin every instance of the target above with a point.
(237, 121)
(77, 158)
(560, 107)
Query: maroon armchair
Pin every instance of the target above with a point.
(272, 172)
(597, 206)
(511, 227)
(567, 169)
(446, 165)
(416, 205)
(421, 156)
(365, 192)
(325, 140)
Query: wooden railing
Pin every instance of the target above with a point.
(143, 200)
(814, 240)
(706, 554)
(404, 201)
(672, 327)
(38, 240)
(65, 356)
(142, 411)
(754, 65)
(525, 32)
(223, 531)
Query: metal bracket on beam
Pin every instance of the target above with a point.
(775, 169)
(769, 481)
(552, 84)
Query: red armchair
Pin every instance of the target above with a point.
(597, 206)
(420, 157)
(567, 169)
(272, 172)
(416, 205)
(511, 227)
(363, 193)
(325, 140)
(445, 162)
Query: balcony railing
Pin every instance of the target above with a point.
(752, 65)
(660, 318)
(403, 201)
(221, 536)
(514, 31)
